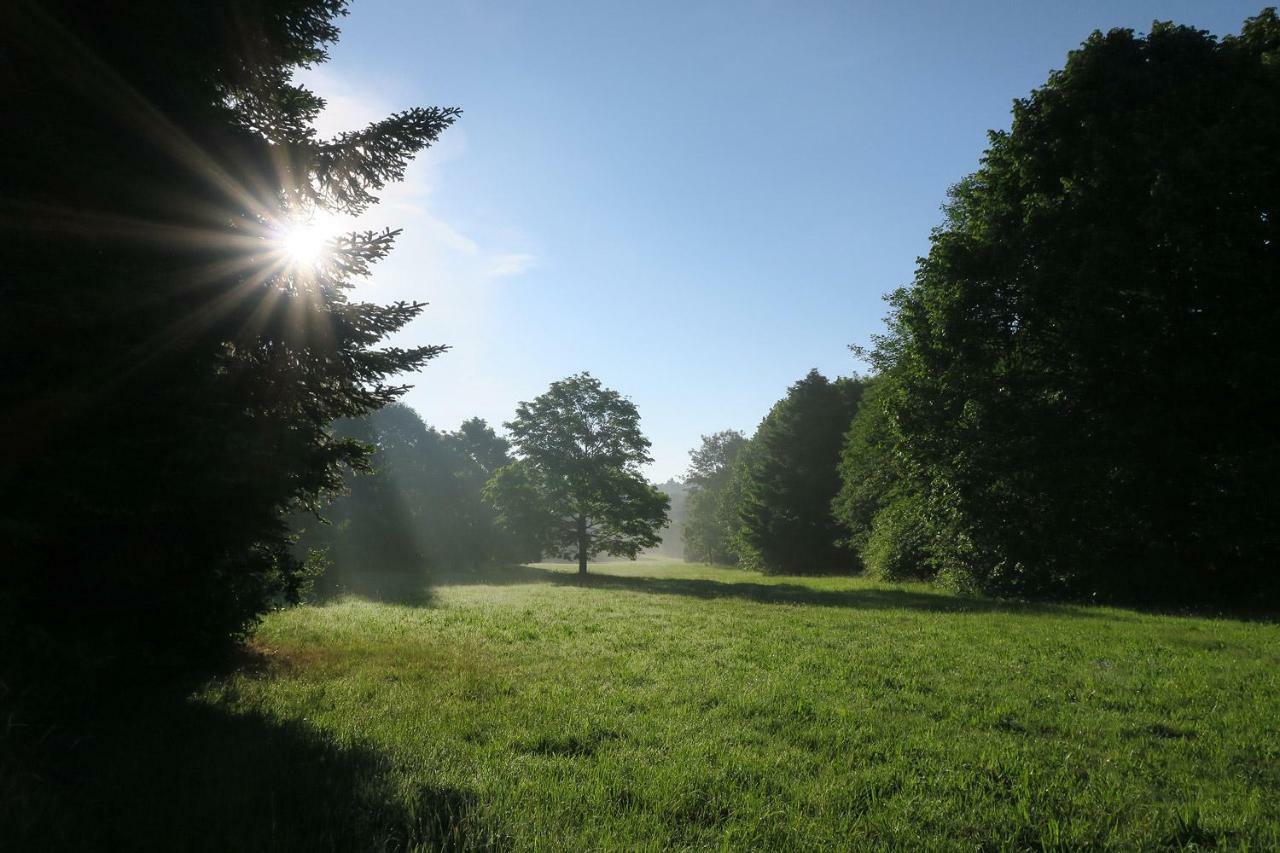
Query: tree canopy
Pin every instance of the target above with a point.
(1084, 368)
(789, 479)
(577, 489)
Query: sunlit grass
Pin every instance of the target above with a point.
(666, 706)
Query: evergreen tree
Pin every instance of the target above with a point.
(171, 369)
(576, 489)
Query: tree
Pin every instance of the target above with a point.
(711, 518)
(879, 503)
(1086, 361)
(416, 510)
(790, 477)
(171, 369)
(576, 489)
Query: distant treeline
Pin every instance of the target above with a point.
(1077, 396)
(417, 507)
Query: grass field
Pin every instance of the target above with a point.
(672, 706)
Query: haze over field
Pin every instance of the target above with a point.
(696, 202)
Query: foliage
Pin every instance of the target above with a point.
(878, 504)
(712, 515)
(170, 373)
(417, 508)
(577, 490)
(1085, 364)
(789, 479)
(667, 706)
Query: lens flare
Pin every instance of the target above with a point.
(306, 244)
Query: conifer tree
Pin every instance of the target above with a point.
(171, 366)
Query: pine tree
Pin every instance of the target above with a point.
(171, 371)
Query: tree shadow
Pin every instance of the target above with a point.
(867, 598)
(183, 775)
(412, 589)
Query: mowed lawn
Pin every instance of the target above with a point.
(673, 706)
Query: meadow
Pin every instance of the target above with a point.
(657, 706)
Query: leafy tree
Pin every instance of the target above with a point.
(576, 489)
(790, 477)
(171, 371)
(712, 518)
(879, 503)
(1086, 360)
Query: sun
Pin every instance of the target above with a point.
(305, 243)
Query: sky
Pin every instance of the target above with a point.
(697, 202)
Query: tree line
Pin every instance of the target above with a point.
(425, 501)
(1076, 396)
(414, 507)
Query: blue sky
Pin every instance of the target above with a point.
(697, 202)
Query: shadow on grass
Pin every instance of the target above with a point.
(769, 593)
(188, 776)
(408, 588)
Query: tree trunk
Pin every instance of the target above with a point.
(582, 544)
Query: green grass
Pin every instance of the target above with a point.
(671, 706)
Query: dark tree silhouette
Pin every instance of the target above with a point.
(576, 489)
(170, 369)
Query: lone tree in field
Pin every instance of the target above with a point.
(577, 489)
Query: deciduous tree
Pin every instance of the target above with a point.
(577, 489)
(712, 517)
(790, 477)
(1087, 359)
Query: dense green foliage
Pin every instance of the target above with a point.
(576, 491)
(170, 373)
(789, 477)
(1084, 397)
(416, 510)
(675, 707)
(881, 509)
(711, 522)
